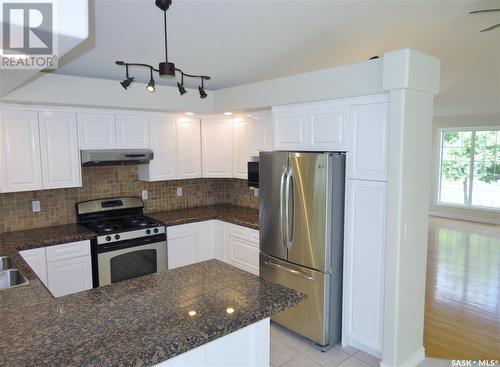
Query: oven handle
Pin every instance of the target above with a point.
(105, 247)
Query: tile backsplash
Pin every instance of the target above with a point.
(58, 206)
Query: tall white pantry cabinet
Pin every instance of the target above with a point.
(358, 126)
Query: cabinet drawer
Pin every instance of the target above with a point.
(68, 251)
(249, 235)
(182, 230)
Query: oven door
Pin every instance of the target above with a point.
(121, 264)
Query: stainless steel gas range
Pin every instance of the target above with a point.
(128, 244)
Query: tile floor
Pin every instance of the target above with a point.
(289, 350)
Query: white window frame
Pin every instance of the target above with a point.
(471, 172)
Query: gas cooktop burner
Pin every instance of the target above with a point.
(122, 224)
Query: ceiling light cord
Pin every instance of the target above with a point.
(165, 24)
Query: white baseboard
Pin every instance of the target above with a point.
(414, 360)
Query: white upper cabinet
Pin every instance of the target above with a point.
(290, 128)
(132, 131)
(162, 136)
(59, 150)
(251, 135)
(260, 133)
(188, 148)
(96, 130)
(327, 127)
(217, 147)
(241, 149)
(20, 164)
(368, 134)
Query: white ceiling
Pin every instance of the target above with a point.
(244, 41)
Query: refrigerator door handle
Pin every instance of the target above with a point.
(282, 209)
(289, 228)
(293, 271)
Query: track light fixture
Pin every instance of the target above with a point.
(180, 86)
(201, 89)
(125, 84)
(151, 85)
(166, 68)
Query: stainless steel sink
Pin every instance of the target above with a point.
(6, 263)
(12, 278)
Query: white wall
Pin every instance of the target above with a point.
(343, 81)
(474, 121)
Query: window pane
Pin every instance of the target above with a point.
(456, 148)
(486, 185)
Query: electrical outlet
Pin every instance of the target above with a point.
(256, 192)
(179, 191)
(35, 205)
(145, 195)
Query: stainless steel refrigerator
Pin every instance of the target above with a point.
(301, 237)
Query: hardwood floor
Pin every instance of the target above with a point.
(462, 308)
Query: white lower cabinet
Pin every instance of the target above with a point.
(37, 260)
(69, 276)
(64, 269)
(213, 239)
(190, 243)
(364, 257)
(241, 248)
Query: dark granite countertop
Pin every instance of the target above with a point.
(230, 213)
(12, 242)
(138, 322)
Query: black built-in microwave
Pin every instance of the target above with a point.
(253, 174)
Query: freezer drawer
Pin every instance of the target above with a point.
(309, 318)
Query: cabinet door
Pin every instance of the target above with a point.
(69, 276)
(216, 147)
(368, 134)
(242, 249)
(188, 148)
(260, 130)
(96, 130)
(290, 128)
(36, 259)
(241, 151)
(162, 131)
(20, 164)
(328, 127)
(182, 245)
(364, 258)
(206, 241)
(59, 148)
(132, 131)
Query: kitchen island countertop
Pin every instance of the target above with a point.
(138, 322)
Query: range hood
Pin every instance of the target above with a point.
(114, 157)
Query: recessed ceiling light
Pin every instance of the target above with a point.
(228, 113)
(189, 113)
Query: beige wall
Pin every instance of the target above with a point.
(58, 206)
(459, 213)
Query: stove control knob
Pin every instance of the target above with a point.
(148, 231)
(155, 230)
(108, 238)
(117, 236)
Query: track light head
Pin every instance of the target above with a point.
(126, 83)
(151, 86)
(181, 88)
(203, 94)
